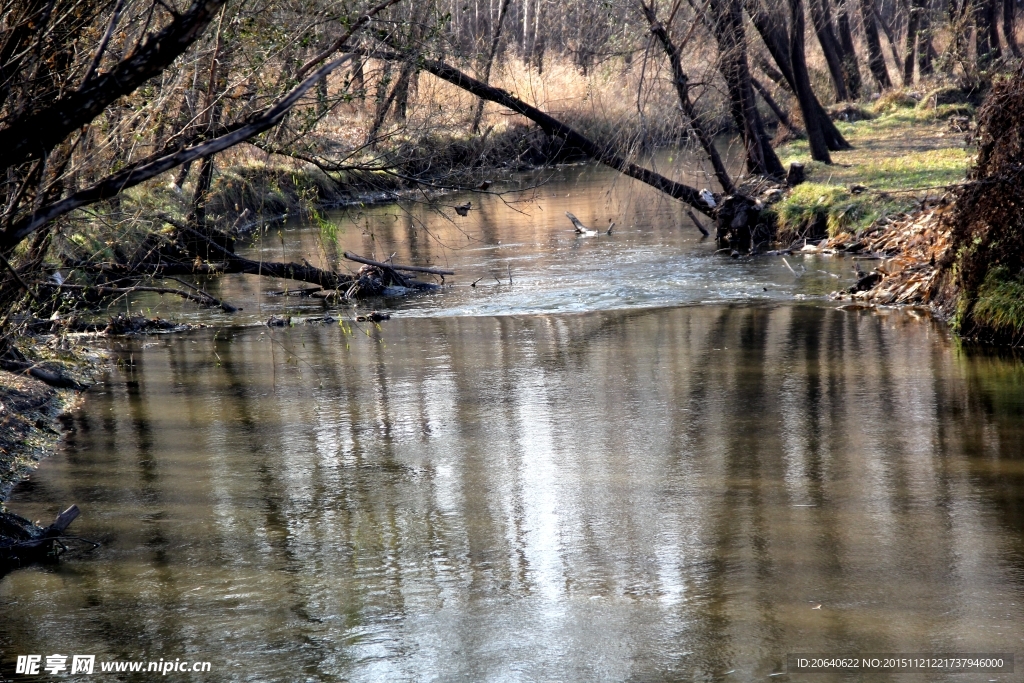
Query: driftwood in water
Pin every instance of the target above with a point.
(22, 542)
(377, 278)
(700, 226)
(578, 225)
(394, 266)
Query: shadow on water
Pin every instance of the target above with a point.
(648, 494)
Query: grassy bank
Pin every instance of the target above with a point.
(903, 150)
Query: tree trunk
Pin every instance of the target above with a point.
(774, 74)
(913, 22)
(732, 50)
(891, 39)
(682, 85)
(321, 97)
(381, 101)
(724, 18)
(539, 42)
(402, 93)
(851, 66)
(772, 27)
(987, 34)
(925, 51)
(829, 46)
(993, 27)
(1009, 27)
(802, 84)
(495, 39)
(781, 114)
(358, 84)
(876, 60)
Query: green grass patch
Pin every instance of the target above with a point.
(903, 153)
(1000, 303)
(832, 209)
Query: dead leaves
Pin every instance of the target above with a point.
(910, 249)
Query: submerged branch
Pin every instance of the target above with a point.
(394, 266)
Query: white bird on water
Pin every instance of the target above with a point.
(580, 228)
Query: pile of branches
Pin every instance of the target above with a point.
(912, 249)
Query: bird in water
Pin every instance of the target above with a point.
(580, 228)
(463, 209)
(610, 228)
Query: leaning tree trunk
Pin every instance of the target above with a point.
(727, 21)
(552, 126)
(772, 28)
(802, 83)
(781, 114)
(876, 60)
(682, 84)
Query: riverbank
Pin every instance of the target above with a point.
(961, 252)
(907, 147)
(28, 415)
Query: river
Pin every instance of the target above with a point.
(639, 461)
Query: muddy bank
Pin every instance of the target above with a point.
(28, 425)
(901, 261)
(263, 190)
(29, 431)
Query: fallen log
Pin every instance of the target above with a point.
(22, 542)
(201, 298)
(394, 266)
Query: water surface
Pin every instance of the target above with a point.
(638, 492)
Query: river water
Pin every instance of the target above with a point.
(640, 461)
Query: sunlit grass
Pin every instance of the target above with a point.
(899, 156)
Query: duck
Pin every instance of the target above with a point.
(463, 209)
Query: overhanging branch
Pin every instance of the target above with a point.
(149, 168)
